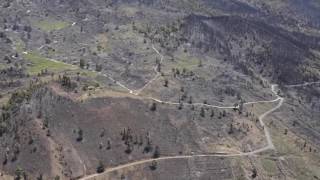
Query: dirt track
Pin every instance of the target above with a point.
(269, 146)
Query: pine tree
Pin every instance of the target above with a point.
(166, 82)
(156, 153)
(153, 106)
(202, 112)
(153, 165)
(82, 63)
(100, 168)
(212, 113)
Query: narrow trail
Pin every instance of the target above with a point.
(138, 91)
(304, 84)
(158, 74)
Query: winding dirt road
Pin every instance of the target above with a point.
(269, 146)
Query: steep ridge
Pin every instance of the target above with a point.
(253, 46)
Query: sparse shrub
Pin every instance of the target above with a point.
(40, 177)
(34, 149)
(15, 27)
(98, 67)
(200, 63)
(241, 107)
(27, 29)
(177, 71)
(80, 135)
(153, 106)
(158, 67)
(184, 96)
(66, 81)
(96, 85)
(102, 132)
(99, 48)
(19, 173)
(122, 177)
(224, 113)
(148, 147)
(166, 82)
(140, 143)
(14, 157)
(153, 165)
(48, 133)
(82, 63)
(128, 149)
(156, 153)
(190, 100)
(212, 113)
(45, 123)
(108, 145)
(254, 173)
(101, 167)
(3, 128)
(85, 87)
(202, 112)
(230, 129)
(2, 35)
(5, 160)
(47, 41)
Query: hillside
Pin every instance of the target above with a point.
(159, 89)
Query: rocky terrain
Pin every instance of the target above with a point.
(159, 89)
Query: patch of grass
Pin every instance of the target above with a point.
(91, 74)
(128, 11)
(305, 165)
(51, 25)
(51, 52)
(187, 62)
(301, 169)
(4, 99)
(269, 165)
(315, 169)
(283, 143)
(40, 63)
(283, 146)
(2, 66)
(19, 45)
(103, 44)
